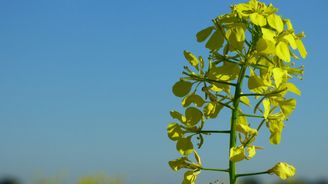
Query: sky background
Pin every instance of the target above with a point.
(85, 87)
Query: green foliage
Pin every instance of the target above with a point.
(252, 46)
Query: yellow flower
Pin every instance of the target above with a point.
(237, 153)
(243, 126)
(240, 153)
(179, 163)
(184, 162)
(283, 170)
(256, 11)
(275, 124)
(190, 177)
(251, 152)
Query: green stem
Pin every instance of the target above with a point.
(259, 127)
(264, 94)
(251, 115)
(253, 136)
(258, 66)
(251, 174)
(214, 169)
(233, 135)
(226, 60)
(208, 80)
(219, 102)
(215, 131)
(224, 104)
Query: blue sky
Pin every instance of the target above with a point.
(85, 86)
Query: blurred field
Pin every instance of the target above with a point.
(103, 179)
(92, 179)
(303, 181)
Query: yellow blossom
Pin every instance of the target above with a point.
(283, 170)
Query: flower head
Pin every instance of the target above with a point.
(283, 170)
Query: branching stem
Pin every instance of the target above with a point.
(253, 136)
(251, 174)
(208, 80)
(215, 131)
(251, 115)
(265, 94)
(215, 169)
(224, 104)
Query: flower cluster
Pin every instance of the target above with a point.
(251, 45)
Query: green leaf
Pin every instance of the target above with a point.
(185, 146)
(212, 109)
(191, 58)
(226, 72)
(181, 88)
(178, 116)
(174, 131)
(218, 87)
(236, 37)
(216, 41)
(203, 34)
(193, 116)
(179, 163)
(193, 98)
(209, 109)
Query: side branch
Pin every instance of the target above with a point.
(208, 80)
(225, 105)
(214, 169)
(215, 131)
(264, 94)
(253, 136)
(251, 115)
(252, 174)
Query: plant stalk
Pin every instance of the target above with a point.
(234, 116)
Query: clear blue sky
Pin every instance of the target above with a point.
(85, 86)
